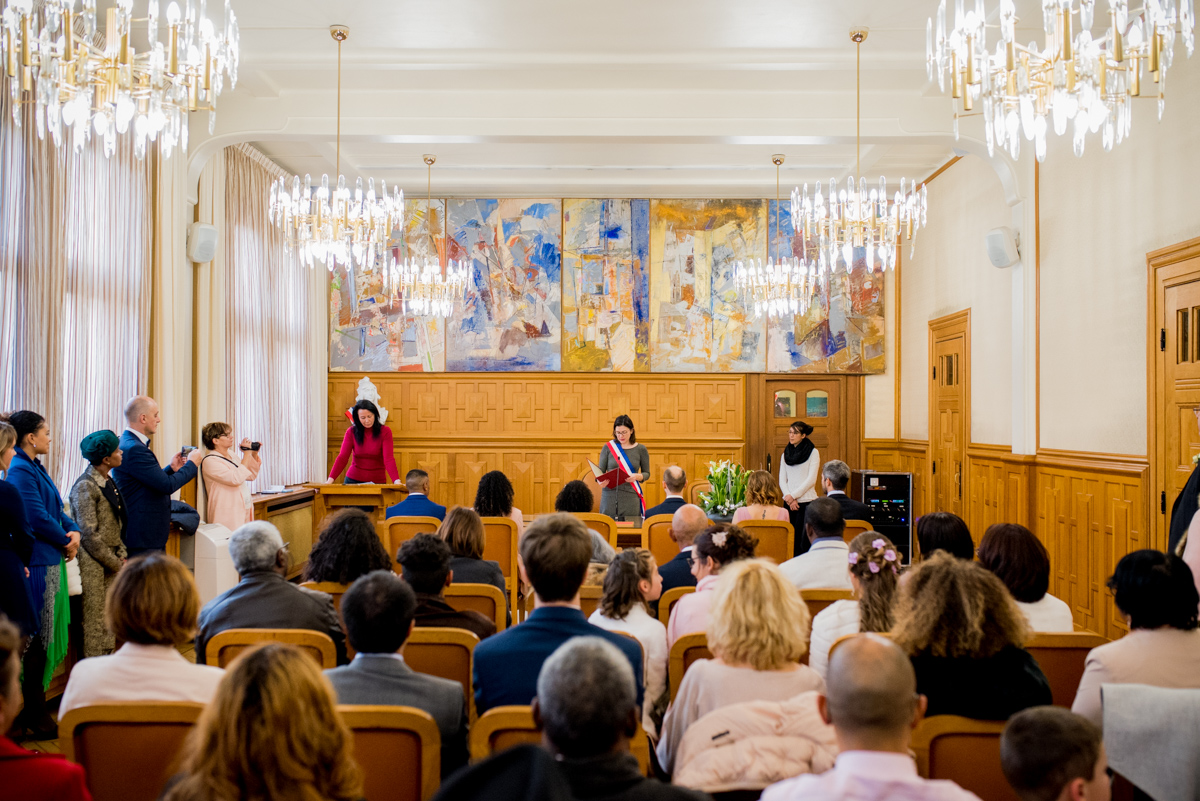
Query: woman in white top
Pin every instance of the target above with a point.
(798, 469)
(874, 566)
(1019, 559)
(631, 583)
(757, 633)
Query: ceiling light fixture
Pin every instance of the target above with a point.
(333, 225)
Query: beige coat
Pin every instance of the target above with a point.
(100, 557)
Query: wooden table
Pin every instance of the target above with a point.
(293, 513)
(330, 497)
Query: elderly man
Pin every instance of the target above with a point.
(264, 598)
(835, 477)
(872, 703)
(586, 707)
(674, 481)
(145, 485)
(686, 525)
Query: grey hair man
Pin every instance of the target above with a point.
(263, 598)
(587, 710)
(835, 477)
(872, 703)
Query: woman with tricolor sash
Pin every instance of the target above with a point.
(624, 502)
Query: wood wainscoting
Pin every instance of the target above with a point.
(998, 487)
(902, 456)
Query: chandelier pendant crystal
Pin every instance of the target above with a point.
(1075, 80)
(82, 87)
(331, 224)
(857, 215)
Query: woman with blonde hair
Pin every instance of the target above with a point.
(763, 499)
(874, 568)
(271, 733)
(965, 636)
(757, 632)
(463, 532)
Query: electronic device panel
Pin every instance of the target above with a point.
(890, 497)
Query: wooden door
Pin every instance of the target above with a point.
(818, 402)
(949, 409)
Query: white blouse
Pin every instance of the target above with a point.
(800, 481)
(1048, 614)
(831, 623)
(652, 634)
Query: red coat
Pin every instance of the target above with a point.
(39, 777)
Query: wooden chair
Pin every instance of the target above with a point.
(965, 751)
(500, 546)
(854, 528)
(818, 599)
(686, 650)
(505, 726)
(1061, 657)
(128, 751)
(399, 750)
(330, 588)
(444, 652)
(656, 538)
(776, 539)
(602, 523)
(395, 531)
(482, 598)
(589, 599)
(694, 490)
(668, 600)
(224, 647)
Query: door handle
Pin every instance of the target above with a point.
(958, 478)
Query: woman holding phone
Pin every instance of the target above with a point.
(625, 501)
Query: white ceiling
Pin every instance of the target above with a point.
(620, 97)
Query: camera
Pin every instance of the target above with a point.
(254, 446)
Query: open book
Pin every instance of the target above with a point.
(610, 480)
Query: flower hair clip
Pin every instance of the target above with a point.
(878, 543)
(719, 539)
(853, 557)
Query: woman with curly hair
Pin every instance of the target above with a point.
(965, 636)
(874, 567)
(346, 548)
(494, 498)
(763, 499)
(714, 548)
(272, 733)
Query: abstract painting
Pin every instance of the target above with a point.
(369, 332)
(605, 286)
(698, 321)
(843, 331)
(509, 319)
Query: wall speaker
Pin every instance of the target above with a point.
(201, 242)
(1002, 247)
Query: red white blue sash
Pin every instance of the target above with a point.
(619, 455)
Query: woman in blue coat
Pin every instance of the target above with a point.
(55, 536)
(16, 545)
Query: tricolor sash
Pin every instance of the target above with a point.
(619, 455)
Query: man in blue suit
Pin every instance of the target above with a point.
(146, 486)
(674, 481)
(686, 524)
(417, 504)
(555, 552)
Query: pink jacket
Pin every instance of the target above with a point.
(223, 482)
(690, 613)
(752, 745)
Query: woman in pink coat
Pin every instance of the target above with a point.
(226, 481)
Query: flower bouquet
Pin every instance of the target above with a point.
(728, 491)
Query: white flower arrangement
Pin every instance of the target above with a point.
(728, 492)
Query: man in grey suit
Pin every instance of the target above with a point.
(264, 598)
(378, 610)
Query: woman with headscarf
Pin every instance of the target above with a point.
(99, 512)
(798, 478)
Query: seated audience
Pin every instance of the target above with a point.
(494, 498)
(965, 634)
(631, 584)
(824, 564)
(1157, 595)
(524, 772)
(272, 731)
(715, 548)
(874, 567)
(28, 774)
(835, 477)
(263, 597)
(1019, 559)
(686, 524)
(576, 498)
(762, 499)
(587, 709)
(152, 608)
(378, 610)
(347, 547)
(226, 478)
(944, 531)
(417, 504)
(1050, 754)
(425, 560)
(757, 632)
(674, 482)
(873, 704)
(553, 560)
(463, 532)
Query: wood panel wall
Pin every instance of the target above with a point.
(903, 456)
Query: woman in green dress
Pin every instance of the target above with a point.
(624, 502)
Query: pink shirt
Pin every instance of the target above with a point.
(690, 613)
(771, 513)
(223, 484)
(138, 673)
(868, 776)
(371, 458)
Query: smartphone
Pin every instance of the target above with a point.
(187, 449)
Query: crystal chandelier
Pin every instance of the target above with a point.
(332, 224)
(855, 217)
(779, 288)
(1075, 78)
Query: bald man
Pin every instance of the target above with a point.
(686, 524)
(871, 700)
(674, 481)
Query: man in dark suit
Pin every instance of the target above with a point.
(687, 523)
(425, 560)
(417, 504)
(264, 598)
(145, 485)
(555, 552)
(378, 610)
(835, 477)
(674, 481)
